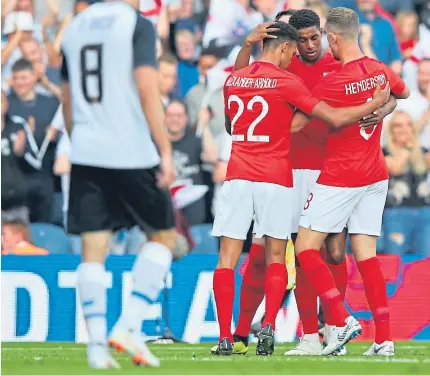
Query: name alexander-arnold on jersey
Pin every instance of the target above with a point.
(257, 83)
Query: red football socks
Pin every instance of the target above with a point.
(252, 289)
(340, 275)
(376, 293)
(323, 282)
(223, 284)
(275, 286)
(306, 299)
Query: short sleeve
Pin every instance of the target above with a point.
(144, 43)
(297, 94)
(397, 85)
(64, 70)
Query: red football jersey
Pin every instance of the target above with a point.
(308, 145)
(260, 101)
(354, 156)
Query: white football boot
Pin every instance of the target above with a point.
(384, 349)
(100, 358)
(339, 336)
(309, 345)
(327, 330)
(134, 344)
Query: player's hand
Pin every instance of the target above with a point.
(260, 32)
(381, 96)
(167, 174)
(373, 119)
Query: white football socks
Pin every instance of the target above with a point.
(91, 283)
(149, 271)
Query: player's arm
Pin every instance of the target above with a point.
(66, 97)
(145, 70)
(255, 36)
(377, 116)
(399, 89)
(336, 117)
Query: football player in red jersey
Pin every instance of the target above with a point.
(352, 187)
(259, 103)
(307, 152)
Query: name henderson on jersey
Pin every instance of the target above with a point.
(364, 85)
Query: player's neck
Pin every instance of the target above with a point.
(269, 58)
(350, 52)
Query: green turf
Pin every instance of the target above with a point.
(412, 358)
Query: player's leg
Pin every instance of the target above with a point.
(327, 211)
(89, 216)
(232, 221)
(251, 294)
(305, 294)
(151, 209)
(273, 222)
(364, 227)
(336, 261)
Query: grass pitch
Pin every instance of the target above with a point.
(412, 358)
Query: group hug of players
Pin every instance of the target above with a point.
(306, 164)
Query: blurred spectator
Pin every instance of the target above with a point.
(229, 22)
(188, 73)
(168, 75)
(48, 78)
(408, 32)
(15, 240)
(189, 154)
(407, 215)
(418, 104)
(269, 8)
(214, 98)
(39, 111)
(13, 184)
(383, 42)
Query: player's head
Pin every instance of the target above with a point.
(283, 47)
(342, 27)
(23, 77)
(285, 15)
(308, 26)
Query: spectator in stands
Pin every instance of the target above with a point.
(407, 22)
(168, 75)
(188, 74)
(48, 78)
(268, 8)
(38, 110)
(189, 154)
(15, 240)
(418, 104)
(215, 103)
(13, 184)
(406, 219)
(384, 41)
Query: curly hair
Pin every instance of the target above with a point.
(304, 18)
(287, 12)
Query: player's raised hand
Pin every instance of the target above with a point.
(381, 96)
(167, 174)
(260, 32)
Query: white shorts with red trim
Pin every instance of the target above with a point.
(242, 201)
(331, 209)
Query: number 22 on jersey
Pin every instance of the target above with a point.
(251, 134)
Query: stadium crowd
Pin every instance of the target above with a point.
(198, 43)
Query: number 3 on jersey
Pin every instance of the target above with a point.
(91, 70)
(241, 107)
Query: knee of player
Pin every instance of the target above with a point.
(335, 256)
(165, 237)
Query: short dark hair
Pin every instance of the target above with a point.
(305, 18)
(343, 21)
(168, 58)
(22, 65)
(282, 13)
(179, 101)
(286, 33)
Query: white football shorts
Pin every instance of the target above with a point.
(241, 201)
(304, 180)
(331, 209)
